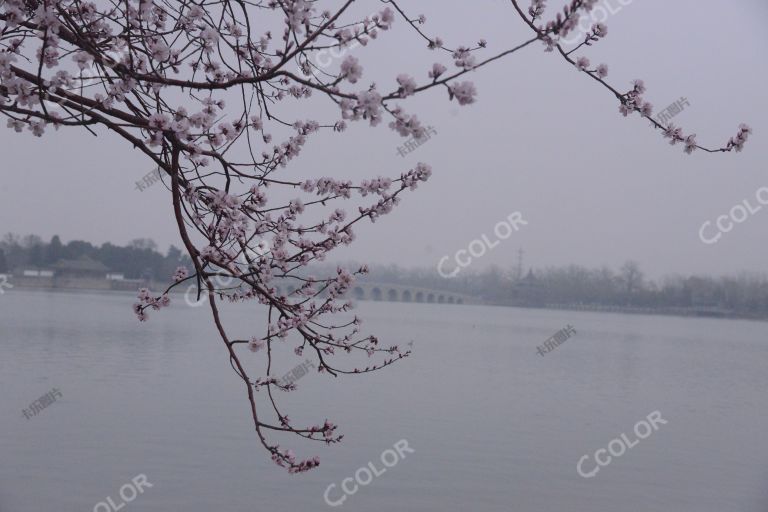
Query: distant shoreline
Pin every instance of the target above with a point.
(692, 312)
(701, 312)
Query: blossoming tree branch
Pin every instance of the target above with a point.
(201, 88)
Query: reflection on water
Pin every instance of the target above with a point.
(493, 425)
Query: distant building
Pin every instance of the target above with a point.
(83, 273)
(84, 267)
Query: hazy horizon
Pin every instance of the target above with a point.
(474, 269)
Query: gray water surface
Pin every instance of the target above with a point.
(494, 426)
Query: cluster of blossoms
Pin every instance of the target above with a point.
(406, 125)
(181, 274)
(553, 31)
(351, 69)
(407, 85)
(464, 92)
(146, 301)
(288, 459)
(463, 58)
(741, 137)
(633, 101)
(566, 21)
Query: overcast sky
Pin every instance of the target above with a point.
(543, 139)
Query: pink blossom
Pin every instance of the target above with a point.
(180, 274)
(582, 63)
(690, 144)
(435, 43)
(437, 70)
(256, 344)
(464, 92)
(407, 85)
(369, 106)
(351, 69)
(599, 30)
(386, 18)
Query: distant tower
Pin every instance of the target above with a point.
(519, 270)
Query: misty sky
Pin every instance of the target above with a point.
(543, 139)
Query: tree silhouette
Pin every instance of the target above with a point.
(55, 250)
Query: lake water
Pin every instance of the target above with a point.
(493, 425)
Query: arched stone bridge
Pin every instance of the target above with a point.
(403, 293)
